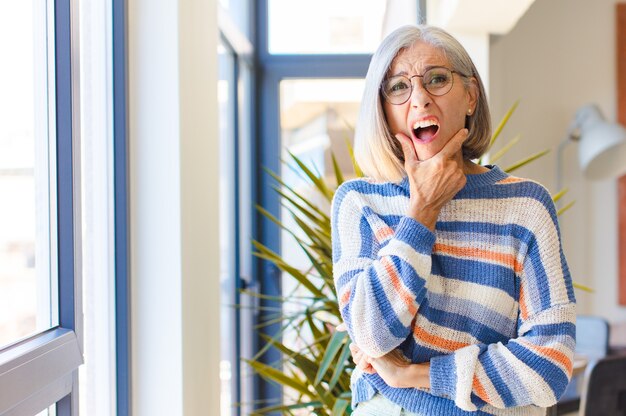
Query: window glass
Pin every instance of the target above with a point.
(239, 12)
(325, 26)
(317, 117)
(28, 295)
(51, 411)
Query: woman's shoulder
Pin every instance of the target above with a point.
(530, 198)
(369, 186)
(365, 191)
(525, 187)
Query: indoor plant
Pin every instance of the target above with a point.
(316, 374)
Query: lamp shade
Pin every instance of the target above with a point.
(602, 150)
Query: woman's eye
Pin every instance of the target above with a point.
(399, 86)
(438, 80)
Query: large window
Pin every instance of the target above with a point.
(39, 223)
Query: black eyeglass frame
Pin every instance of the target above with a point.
(452, 71)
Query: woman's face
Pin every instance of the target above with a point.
(430, 121)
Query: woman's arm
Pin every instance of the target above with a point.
(381, 274)
(533, 368)
(394, 368)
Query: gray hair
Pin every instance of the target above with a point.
(377, 152)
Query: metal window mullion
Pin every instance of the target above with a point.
(66, 29)
(237, 282)
(120, 191)
(65, 168)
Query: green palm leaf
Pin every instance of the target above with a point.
(332, 349)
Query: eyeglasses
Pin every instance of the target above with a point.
(437, 80)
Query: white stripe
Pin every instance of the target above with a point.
(523, 211)
(467, 291)
(443, 332)
(465, 363)
(540, 391)
(492, 393)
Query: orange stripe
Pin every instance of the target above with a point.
(554, 354)
(480, 390)
(506, 259)
(383, 233)
(522, 302)
(345, 298)
(443, 343)
(406, 297)
(510, 179)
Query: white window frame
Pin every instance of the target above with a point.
(42, 370)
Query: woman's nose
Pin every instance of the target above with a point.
(419, 96)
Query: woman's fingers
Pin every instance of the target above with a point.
(407, 149)
(360, 359)
(454, 145)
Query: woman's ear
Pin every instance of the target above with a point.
(472, 94)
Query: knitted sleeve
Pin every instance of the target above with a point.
(535, 367)
(380, 274)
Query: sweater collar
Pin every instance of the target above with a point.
(493, 175)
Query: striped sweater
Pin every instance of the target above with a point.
(486, 298)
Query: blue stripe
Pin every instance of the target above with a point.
(365, 188)
(526, 189)
(384, 306)
(538, 277)
(345, 278)
(414, 282)
(422, 354)
(551, 373)
(464, 323)
(486, 274)
(498, 382)
(510, 231)
(563, 328)
(368, 242)
(568, 279)
(490, 318)
(406, 272)
(515, 384)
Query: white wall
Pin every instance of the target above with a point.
(560, 56)
(174, 177)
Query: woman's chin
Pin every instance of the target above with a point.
(425, 155)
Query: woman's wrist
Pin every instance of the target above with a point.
(419, 375)
(425, 216)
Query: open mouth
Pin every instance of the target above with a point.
(425, 130)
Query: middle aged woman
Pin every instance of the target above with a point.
(450, 276)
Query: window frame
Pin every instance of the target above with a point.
(123, 374)
(42, 370)
(272, 69)
(240, 49)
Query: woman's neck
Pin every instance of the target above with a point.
(471, 168)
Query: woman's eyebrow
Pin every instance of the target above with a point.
(400, 73)
(426, 68)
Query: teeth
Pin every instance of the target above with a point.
(425, 123)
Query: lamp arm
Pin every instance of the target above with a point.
(559, 162)
(573, 134)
